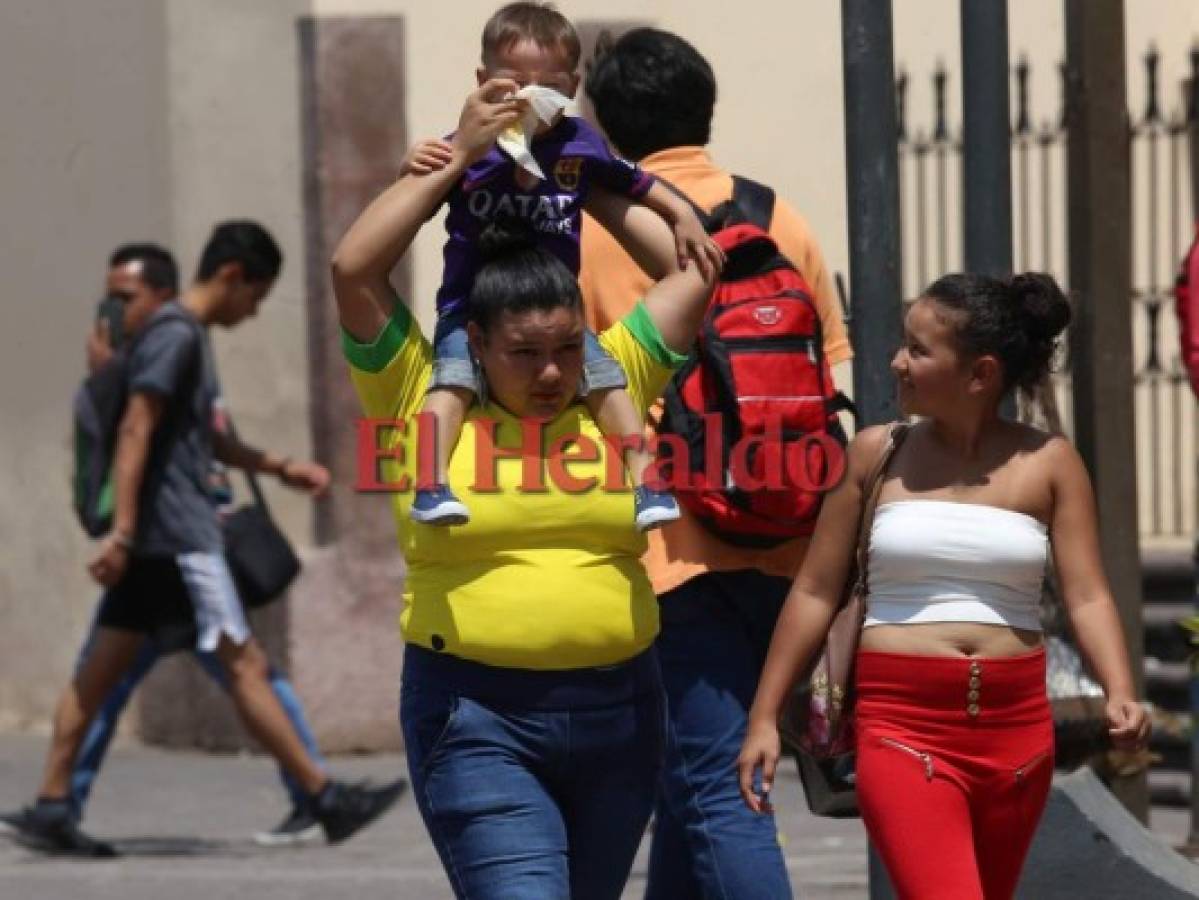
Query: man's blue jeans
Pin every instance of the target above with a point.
(546, 797)
(716, 629)
(104, 725)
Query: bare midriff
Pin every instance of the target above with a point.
(950, 639)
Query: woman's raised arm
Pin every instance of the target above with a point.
(384, 231)
(678, 302)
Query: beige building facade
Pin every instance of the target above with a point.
(152, 119)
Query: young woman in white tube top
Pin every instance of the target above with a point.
(955, 736)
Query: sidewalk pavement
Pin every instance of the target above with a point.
(183, 822)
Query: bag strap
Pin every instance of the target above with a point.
(704, 217)
(195, 371)
(755, 200)
(251, 477)
(872, 489)
(752, 201)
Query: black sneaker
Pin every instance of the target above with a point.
(342, 809)
(49, 827)
(11, 821)
(298, 827)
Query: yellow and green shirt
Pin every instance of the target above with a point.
(538, 579)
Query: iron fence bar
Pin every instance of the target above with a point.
(902, 157)
(1021, 139)
(1045, 142)
(1193, 132)
(1150, 129)
(1178, 396)
(1023, 262)
(921, 152)
(942, 166)
(942, 144)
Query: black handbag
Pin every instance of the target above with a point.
(261, 558)
(828, 784)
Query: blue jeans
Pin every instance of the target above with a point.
(533, 784)
(716, 629)
(104, 725)
(454, 366)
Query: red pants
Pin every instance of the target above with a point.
(955, 758)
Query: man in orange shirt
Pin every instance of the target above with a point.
(653, 95)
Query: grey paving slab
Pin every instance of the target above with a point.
(184, 822)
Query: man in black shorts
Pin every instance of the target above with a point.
(129, 265)
(162, 564)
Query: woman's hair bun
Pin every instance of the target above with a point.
(1042, 307)
(1018, 319)
(505, 236)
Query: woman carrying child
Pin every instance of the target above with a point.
(531, 701)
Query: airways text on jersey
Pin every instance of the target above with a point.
(549, 213)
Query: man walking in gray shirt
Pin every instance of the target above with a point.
(162, 564)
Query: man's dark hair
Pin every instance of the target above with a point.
(158, 270)
(241, 241)
(651, 91)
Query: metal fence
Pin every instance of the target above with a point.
(1165, 147)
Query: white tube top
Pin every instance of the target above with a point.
(942, 561)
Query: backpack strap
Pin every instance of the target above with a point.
(755, 200)
(752, 201)
(176, 414)
(705, 218)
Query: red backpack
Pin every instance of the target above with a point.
(1186, 298)
(750, 420)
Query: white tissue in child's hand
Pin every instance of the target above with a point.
(544, 105)
(545, 102)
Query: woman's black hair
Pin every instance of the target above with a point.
(1017, 320)
(516, 275)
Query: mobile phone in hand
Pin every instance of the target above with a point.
(112, 311)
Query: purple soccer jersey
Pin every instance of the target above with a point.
(574, 157)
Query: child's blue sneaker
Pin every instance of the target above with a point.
(653, 508)
(438, 506)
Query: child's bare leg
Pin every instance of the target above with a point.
(434, 503)
(614, 412)
(448, 406)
